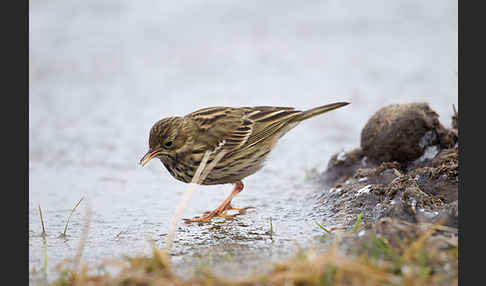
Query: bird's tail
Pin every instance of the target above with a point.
(319, 110)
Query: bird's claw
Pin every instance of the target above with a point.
(208, 215)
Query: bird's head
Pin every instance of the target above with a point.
(166, 137)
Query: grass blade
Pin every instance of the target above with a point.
(358, 221)
(323, 228)
(42, 222)
(72, 211)
(271, 229)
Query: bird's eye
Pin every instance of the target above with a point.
(168, 144)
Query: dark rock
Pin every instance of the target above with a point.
(402, 132)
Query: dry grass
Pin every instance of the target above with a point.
(376, 262)
(64, 234)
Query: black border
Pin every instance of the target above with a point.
(15, 139)
(471, 129)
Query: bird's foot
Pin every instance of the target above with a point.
(208, 216)
(229, 207)
(204, 218)
(219, 212)
(223, 208)
(240, 210)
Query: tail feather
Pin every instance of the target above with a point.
(319, 110)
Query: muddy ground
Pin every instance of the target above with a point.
(420, 184)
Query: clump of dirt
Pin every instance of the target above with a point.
(406, 169)
(402, 132)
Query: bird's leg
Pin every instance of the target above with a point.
(226, 205)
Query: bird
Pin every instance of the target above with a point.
(246, 135)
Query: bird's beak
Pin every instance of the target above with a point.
(149, 156)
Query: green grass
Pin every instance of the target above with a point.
(358, 221)
(380, 248)
(271, 229)
(323, 228)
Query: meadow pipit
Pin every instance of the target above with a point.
(245, 134)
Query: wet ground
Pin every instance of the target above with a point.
(102, 72)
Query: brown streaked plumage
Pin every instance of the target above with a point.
(245, 134)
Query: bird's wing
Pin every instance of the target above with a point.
(267, 122)
(222, 127)
(240, 128)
